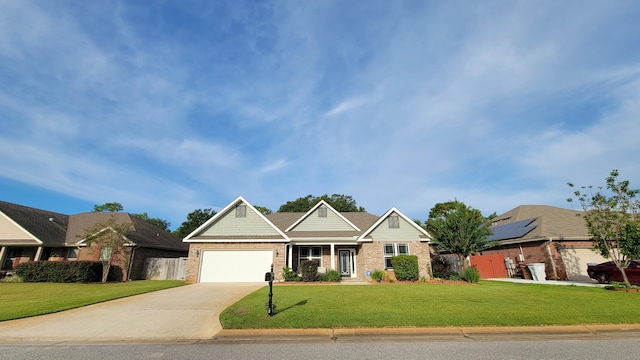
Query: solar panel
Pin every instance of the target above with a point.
(512, 230)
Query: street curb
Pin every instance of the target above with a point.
(453, 333)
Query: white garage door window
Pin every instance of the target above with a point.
(576, 260)
(235, 265)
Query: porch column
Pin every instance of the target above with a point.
(38, 254)
(290, 257)
(333, 256)
(3, 253)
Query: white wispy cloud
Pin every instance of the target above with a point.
(396, 104)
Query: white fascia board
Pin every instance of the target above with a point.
(320, 203)
(385, 216)
(226, 209)
(223, 241)
(21, 228)
(82, 242)
(325, 240)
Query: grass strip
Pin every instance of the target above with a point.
(411, 305)
(20, 300)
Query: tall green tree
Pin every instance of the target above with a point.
(459, 229)
(108, 207)
(612, 220)
(194, 220)
(110, 238)
(157, 222)
(342, 203)
(263, 210)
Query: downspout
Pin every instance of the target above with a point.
(133, 252)
(553, 263)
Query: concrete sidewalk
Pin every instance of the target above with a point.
(183, 313)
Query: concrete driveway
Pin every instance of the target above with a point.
(184, 313)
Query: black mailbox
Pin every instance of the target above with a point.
(267, 276)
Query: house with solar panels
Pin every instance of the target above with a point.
(545, 234)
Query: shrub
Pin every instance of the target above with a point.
(378, 275)
(309, 270)
(60, 271)
(330, 276)
(441, 268)
(470, 274)
(290, 275)
(405, 267)
(12, 279)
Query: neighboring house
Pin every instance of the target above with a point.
(239, 244)
(554, 236)
(28, 234)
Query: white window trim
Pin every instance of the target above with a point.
(395, 252)
(311, 257)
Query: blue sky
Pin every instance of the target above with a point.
(171, 106)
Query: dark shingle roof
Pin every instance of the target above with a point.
(55, 229)
(48, 227)
(549, 221)
(143, 234)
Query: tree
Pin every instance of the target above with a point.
(108, 207)
(157, 222)
(460, 229)
(342, 203)
(194, 220)
(110, 238)
(612, 220)
(263, 210)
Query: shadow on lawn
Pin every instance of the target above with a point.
(299, 303)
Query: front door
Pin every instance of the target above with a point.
(345, 262)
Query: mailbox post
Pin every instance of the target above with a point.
(269, 277)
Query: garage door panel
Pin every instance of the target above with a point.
(576, 260)
(235, 265)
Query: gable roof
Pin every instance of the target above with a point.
(313, 209)
(222, 213)
(48, 228)
(546, 222)
(285, 223)
(391, 211)
(54, 229)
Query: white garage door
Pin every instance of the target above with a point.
(235, 265)
(576, 260)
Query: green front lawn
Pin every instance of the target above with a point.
(19, 300)
(395, 305)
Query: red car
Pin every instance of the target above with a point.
(608, 271)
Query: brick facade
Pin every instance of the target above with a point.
(371, 256)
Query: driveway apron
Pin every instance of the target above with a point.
(189, 312)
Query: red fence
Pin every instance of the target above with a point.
(490, 266)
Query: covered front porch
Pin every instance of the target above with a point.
(342, 257)
(13, 255)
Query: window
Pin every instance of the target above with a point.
(311, 253)
(391, 250)
(72, 254)
(241, 211)
(394, 222)
(322, 212)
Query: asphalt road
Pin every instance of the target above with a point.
(628, 348)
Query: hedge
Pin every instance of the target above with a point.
(60, 271)
(405, 267)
